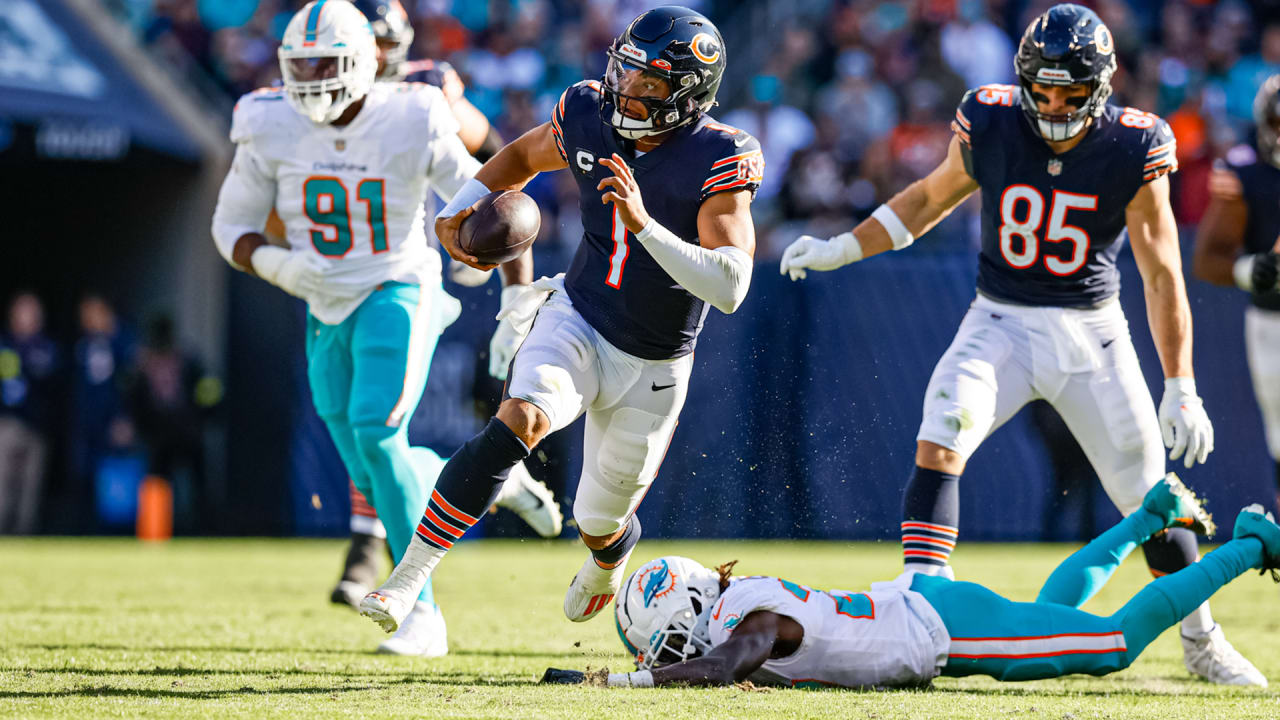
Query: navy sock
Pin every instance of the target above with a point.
(612, 554)
(930, 518)
(1170, 551)
(469, 482)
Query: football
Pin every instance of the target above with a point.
(503, 226)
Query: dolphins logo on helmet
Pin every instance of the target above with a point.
(328, 59)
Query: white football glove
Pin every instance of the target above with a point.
(1183, 422)
(520, 305)
(298, 272)
(810, 253)
(467, 276)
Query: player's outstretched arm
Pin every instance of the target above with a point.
(743, 653)
(1153, 233)
(513, 167)
(894, 225)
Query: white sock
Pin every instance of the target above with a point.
(1199, 622)
(413, 570)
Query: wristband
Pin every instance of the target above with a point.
(898, 232)
(1242, 271)
(639, 679)
(466, 196)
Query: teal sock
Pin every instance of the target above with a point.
(1165, 601)
(1083, 574)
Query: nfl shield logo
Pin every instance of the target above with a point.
(341, 145)
(1055, 166)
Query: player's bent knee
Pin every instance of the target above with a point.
(525, 419)
(933, 456)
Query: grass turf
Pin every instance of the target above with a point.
(240, 628)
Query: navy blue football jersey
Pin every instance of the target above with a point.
(1051, 223)
(1261, 183)
(431, 72)
(613, 281)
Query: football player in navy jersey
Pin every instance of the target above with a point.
(527, 497)
(1062, 173)
(1237, 245)
(665, 200)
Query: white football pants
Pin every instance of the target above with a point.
(1081, 361)
(565, 368)
(1262, 343)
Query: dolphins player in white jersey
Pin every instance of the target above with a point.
(346, 163)
(688, 625)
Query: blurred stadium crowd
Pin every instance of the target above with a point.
(850, 100)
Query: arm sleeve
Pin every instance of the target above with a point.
(245, 200)
(1162, 151)
(557, 123)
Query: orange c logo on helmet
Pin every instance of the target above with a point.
(1102, 36)
(705, 48)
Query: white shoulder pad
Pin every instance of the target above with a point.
(256, 112)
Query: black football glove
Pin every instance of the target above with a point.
(1265, 272)
(555, 676)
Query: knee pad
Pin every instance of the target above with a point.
(627, 449)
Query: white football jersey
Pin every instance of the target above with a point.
(886, 637)
(354, 194)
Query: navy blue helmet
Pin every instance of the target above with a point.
(673, 43)
(390, 24)
(1266, 113)
(1067, 45)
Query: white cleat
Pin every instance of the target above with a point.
(592, 590)
(1211, 656)
(532, 501)
(387, 608)
(422, 634)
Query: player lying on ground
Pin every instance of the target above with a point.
(1238, 244)
(665, 193)
(528, 498)
(686, 624)
(1062, 175)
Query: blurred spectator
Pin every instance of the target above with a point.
(781, 130)
(1246, 76)
(28, 397)
(99, 423)
(975, 48)
(170, 398)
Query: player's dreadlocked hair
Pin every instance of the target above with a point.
(725, 572)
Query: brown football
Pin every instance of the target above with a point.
(503, 226)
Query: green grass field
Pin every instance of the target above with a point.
(241, 628)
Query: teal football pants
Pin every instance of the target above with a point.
(1008, 640)
(367, 375)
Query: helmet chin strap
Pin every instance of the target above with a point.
(318, 107)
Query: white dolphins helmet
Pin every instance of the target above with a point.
(328, 59)
(662, 611)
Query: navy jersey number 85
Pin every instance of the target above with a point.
(613, 282)
(1050, 223)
